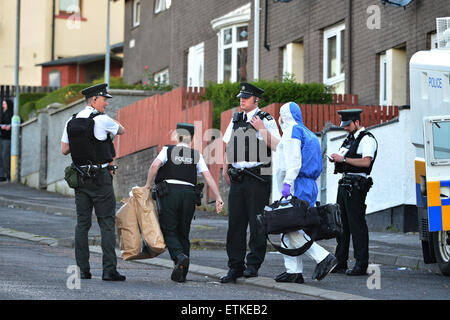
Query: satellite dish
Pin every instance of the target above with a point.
(397, 3)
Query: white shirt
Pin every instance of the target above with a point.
(104, 125)
(201, 165)
(270, 125)
(366, 148)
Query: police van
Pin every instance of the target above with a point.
(430, 135)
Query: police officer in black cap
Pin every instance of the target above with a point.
(354, 160)
(249, 138)
(176, 168)
(88, 138)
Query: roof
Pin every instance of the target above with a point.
(78, 60)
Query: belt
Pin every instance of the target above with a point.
(94, 166)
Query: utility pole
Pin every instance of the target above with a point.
(15, 121)
(108, 45)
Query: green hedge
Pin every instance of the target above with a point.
(223, 95)
(27, 103)
(63, 95)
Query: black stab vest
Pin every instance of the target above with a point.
(352, 147)
(85, 148)
(181, 165)
(244, 144)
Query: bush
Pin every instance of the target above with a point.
(65, 95)
(27, 103)
(223, 95)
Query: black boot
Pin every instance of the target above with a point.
(290, 277)
(180, 270)
(341, 267)
(360, 269)
(231, 276)
(85, 275)
(113, 276)
(250, 272)
(324, 267)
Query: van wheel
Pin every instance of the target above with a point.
(441, 243)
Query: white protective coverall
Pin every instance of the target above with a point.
(297, 144)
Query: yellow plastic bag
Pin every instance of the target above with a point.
(138, 229)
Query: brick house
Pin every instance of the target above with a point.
(360, 47)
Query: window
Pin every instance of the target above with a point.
(233, 45)
(383, 80)
(232, 35)
(441, 143)
(334, 58)
(161, 5)
(136, 13)
(69, 6)
(433, 40)
(293, 57)
(392, 77)
(54, 79)
(162, 77)
(195, 66)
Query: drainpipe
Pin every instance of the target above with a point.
(256, 42)
(266, 45)
(349, 46)
(323, 175)
(108, 45)
(53, 30)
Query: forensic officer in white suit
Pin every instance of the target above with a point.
(298, 164)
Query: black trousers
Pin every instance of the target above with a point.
(245, 201)
(97, 194)
(353, 209)
(177, 210)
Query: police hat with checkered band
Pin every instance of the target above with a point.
(97, 90)
(248, 90)
(349, 115)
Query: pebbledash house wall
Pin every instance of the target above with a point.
(162, 40)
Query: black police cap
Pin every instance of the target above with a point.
(349, 115)
(248, 90)
(97, 90)
(182, 127)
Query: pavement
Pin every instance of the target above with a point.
(208, 231)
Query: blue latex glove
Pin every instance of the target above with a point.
(286, 190)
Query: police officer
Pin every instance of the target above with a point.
(176, 168)
(88, 138)
(249, 138)
(354, 160)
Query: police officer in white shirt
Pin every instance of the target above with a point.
(354, 160)
(88, 138)
(250, 138)
(176, 169)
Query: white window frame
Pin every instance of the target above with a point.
(434, 41)
(161, 5)
(384, 94)
(136, 13)
(195, 67)
(329, 33)
(235, 46)
(162, 77)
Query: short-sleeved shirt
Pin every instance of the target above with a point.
(201, 164)
(366, 148)
(270, 125)
(104, 125)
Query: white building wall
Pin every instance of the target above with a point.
(393, 171)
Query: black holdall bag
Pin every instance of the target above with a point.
(319, 223)
(330, 225)
(287, 215)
